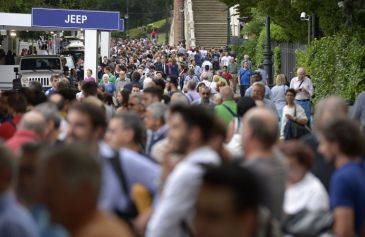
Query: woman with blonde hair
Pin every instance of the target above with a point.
(278, 94)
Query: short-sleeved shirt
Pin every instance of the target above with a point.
(347, 189)
(245, 76)
(225, 114)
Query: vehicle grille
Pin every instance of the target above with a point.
(43, 80)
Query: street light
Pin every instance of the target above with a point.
(305, 17)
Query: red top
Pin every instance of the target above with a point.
(20, 138)
(227, 76)
(8, 128)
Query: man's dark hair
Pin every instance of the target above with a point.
(266, 133)
(68, 94)
(95, 113)
(18, 102)
(90, 88)
(160, 83)
(239, 180)
(346, 134)
(154, 91)
(244, 104)
(135, 76)
(196, 116)
(131, 120)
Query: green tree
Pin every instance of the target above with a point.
(285, 13)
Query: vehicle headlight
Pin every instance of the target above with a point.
(25, 80)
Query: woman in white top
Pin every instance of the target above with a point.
(292, 111)
(278, 94)
(304, 190)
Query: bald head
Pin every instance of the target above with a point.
(331, 108)
(33, 121)
(301, 73)
(261, 125)
(227, 93)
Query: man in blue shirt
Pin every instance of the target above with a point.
(245, 75)
(15, 220)
(342, 143)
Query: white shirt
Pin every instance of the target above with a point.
(291, 111)
(206, 62)
(278, 96)
(308, 193)
(179, 195)
(225, 60)
(306, 85)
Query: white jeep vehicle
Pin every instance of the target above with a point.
(39, 68)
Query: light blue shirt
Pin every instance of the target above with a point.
(15, 220)
(248, 92)
(41, 216)
(137, 169)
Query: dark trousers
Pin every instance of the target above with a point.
(243, 89)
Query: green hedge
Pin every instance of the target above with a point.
(277, 61)
(336, 65)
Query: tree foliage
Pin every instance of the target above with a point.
(141, 12)
(286, 13)
(336, 65)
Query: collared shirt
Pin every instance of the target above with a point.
(137, 169)
(119, 83)
(197, 71)
(249, 91)
(233, 68)
(179, 194)
(193, 96)
(15, 220)
(209, 105)
(245, 76)
(270, 105)
(306, 85)
(155, 137)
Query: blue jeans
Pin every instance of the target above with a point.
(306, 105)
(243, 89)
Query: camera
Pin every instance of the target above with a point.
(303, 16)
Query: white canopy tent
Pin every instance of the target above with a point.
(23, 22)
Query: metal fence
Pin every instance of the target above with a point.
(287, 58)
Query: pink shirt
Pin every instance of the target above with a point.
(89, 79)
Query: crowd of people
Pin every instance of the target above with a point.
(165, 141)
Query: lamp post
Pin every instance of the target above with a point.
(268, 53)
(305, 17)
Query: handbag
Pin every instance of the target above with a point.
(307, 223)
(294, 130)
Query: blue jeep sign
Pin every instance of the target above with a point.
(62, 18)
